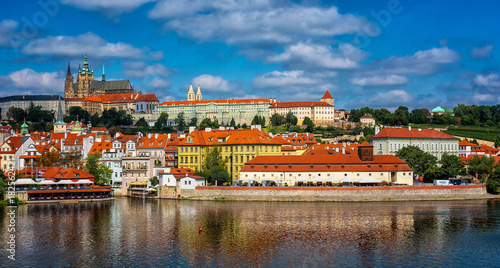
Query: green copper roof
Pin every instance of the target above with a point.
(24, 125)
(78, 126)
(59, 116)
(438, 110)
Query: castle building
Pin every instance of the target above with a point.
(47, 102)
(322, 113)
(86, 85)
(242, 110)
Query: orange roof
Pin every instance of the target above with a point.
(147, 97)
(58, 173)
(228, 137)
(315, 163)
(179, 171)
(92, 98)
(14, 142)
(234, 101)
(367, 116)
(414, 133)
(467, 143)
(97, 147)
(327, 95)
(118, 98)
(153, 142)
(300, 104)
(99, 129)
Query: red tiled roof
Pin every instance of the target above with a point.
(314, 163)
(153, 142)
(300, 104)
(118, 98)
(97, 147)
(367, 116)
(414, 133)
(229, 137)
(168, 103)
(467, 143)
(327, 95)
(92, 98)
(147, 97)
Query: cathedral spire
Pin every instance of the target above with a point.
(103, 74)
(69, 70)
(59, 116)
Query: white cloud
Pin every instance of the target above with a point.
(490, 80)
(140, 69)
(32, 80)
(481, 52)
(422, 62)
(282, 79)
(388, 80)
(70, 46)
(108, 7)
(234, 24)
(158, 83)
(390, 100)
(7, 32)
(211, 83)
(306, 55)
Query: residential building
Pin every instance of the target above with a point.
(435, 142)
(367, 120)
(237, 146)
(47, 102)
(322, 113)
(241, 110)
(12, 150)
(146, 106)
(468, 149)
(333, 166)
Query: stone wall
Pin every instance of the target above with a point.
(395, 193)
(169, 192)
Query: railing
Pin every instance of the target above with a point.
(55, 188)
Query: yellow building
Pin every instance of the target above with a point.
(238, 146)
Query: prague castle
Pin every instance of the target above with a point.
(86, 85)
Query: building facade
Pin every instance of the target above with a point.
(47, 102)
(241, 110)
(236, 146)
(435, 142)
(322, 113)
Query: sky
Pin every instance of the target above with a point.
(388, 53)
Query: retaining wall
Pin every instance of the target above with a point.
(394, 193)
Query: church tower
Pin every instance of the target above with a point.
(69, 91)
(191, 93)
(198, 94)
(59, 126)
(85, 78)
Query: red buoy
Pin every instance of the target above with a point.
(199, 228)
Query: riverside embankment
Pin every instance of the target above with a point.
(394, 193)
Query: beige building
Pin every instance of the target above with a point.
(47, 102)
(435, 142)
(367, 120)
(322, 113)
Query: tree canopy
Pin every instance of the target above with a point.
(214, 167)
(480, 167)
(421, 162)
(101, 172)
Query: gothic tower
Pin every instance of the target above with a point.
(198, 94)
(69, 91)
(191, 93)
(85, 78)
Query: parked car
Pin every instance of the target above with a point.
(442, 183)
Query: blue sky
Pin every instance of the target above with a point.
(419, 54)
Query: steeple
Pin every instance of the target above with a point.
(103, 75)
(191, 93)
(24, 128)
(198, 94)
(59, 116)
(79, 69)
(85, 69)
(69, 71)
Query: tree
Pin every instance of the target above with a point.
(154, 181)
(309, 123)
(382, 116)
(19, 115)
(480, 167)
(421, 162)
(214, 167)
(497, 141)
(259, 120)
(291, 119)
(233, 123)
(493, 183)
(417, 116)
(206, 122)
(450, 167)
(181, 123)
(194, 122)
(401, 116)
(73, 159)
(244, 126)
(10, 112)
(49, 159)
(101, 172)
(3, 184)
(277, 119)
(77, 113)
(161, 121)
(141, 123)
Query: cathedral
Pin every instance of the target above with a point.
(86, 85)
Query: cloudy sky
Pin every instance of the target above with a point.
(366, 53)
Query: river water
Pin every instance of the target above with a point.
(136, 232)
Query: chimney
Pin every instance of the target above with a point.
(222, 128)
(420, 129)
(377, 129)
(337, 149)
(208, 129)
(149, 135)
(156, 135)
(191, 129)
(409, 128)
(343, 150)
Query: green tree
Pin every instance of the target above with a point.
(401, 116)
(493, 183)
(3, 184)
(244, 126)
(181, 123)
(382, 116)
(259, 120)
(480, 167)
(421, 162)
(233, 123)
(194, 122)
(291, 119)
(309, 123)
(161, 121)
(206, 122)
(417, 116)
(497, 141)
(49, 159)
(101, 172)
(154, 181)
(277, 120)
(77, 112)
(142, 123)
(450, 167)
(214, 167)
(72, 159)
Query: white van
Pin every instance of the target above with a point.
(442, 183)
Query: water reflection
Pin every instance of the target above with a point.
(132, 232)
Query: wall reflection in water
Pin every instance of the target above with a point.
(132, 232)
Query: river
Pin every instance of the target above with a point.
(150, 233)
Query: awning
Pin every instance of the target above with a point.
(347, 179)
(85, 181)
(24, 182)
(46, 182)
(332, 179)
(317, 179)
(303, 179)
(369, 180)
